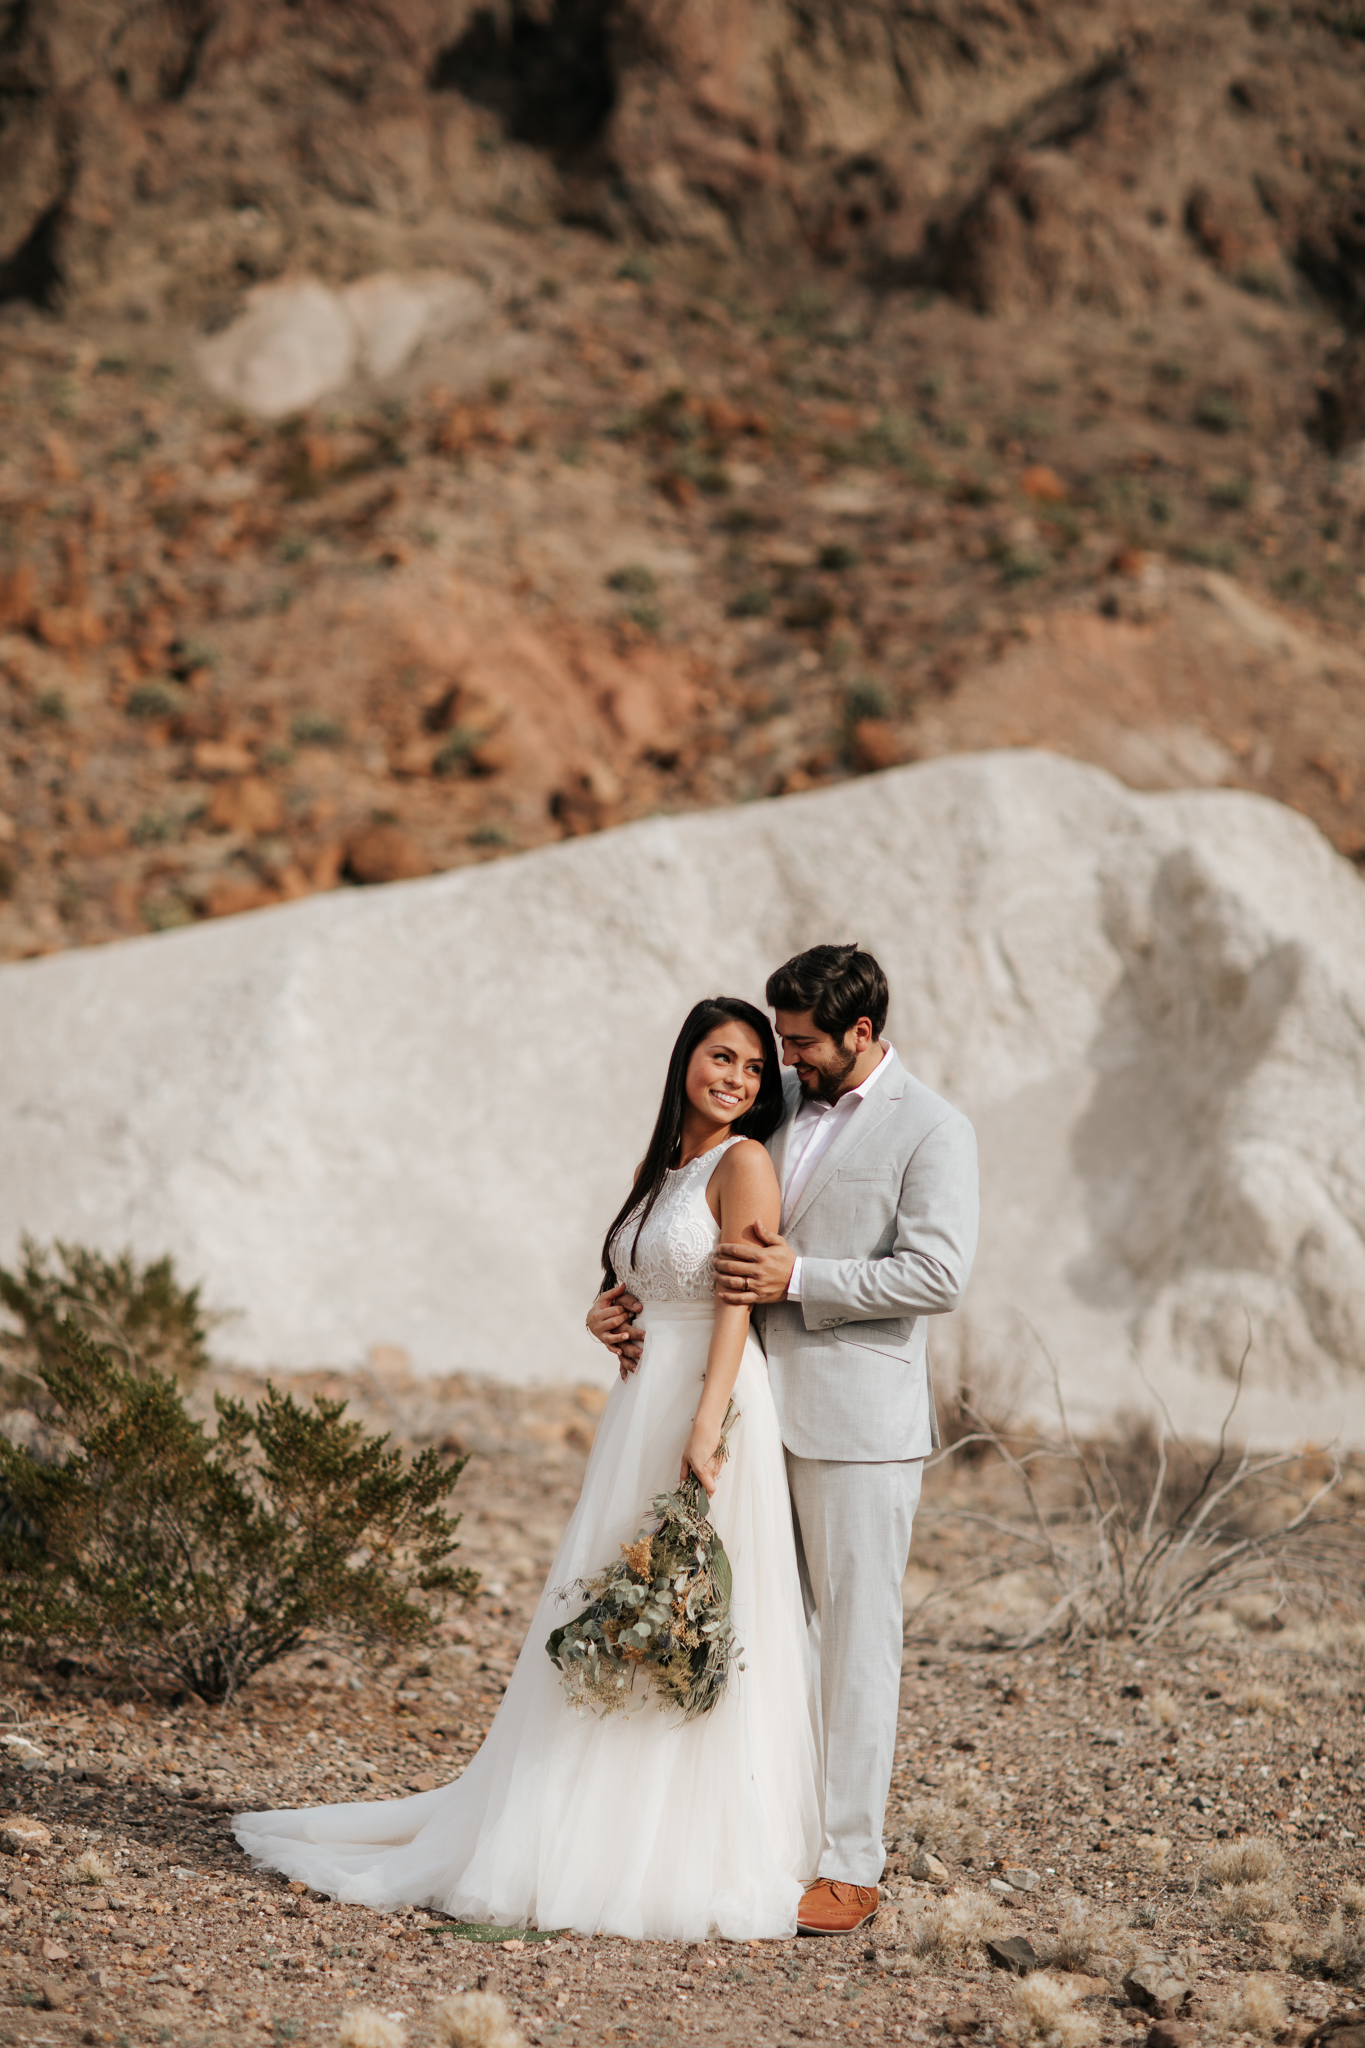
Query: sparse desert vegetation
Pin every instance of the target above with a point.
(1132, 1836)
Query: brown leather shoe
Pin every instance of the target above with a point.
(829, 1907)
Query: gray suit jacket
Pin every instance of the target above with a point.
(886, 1229)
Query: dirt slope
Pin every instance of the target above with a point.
(853, 384)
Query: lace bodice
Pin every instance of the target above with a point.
(677, 1252)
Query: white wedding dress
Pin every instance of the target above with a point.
(633, 1823)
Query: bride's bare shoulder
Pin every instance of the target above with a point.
(748, 1160)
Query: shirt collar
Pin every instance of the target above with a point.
(852, 1095)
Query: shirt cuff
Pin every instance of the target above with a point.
(794, 1284)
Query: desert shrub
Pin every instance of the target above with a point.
(197, 1560)
(1252, 2007)
(364, 2026)
(475, 2019)
(1260, 1698)
(140, 1313)
(633, 579)
(953, 1924)
(1142, 1537)
(1248, 1905)
(1046, 2009)
(1343, 1949)
(946, 1823)
(1253, 1860)
(1090, 1938)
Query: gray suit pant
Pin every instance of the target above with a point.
(853, 1524)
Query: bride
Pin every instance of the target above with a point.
(637, 1823)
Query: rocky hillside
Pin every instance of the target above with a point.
(834, 386)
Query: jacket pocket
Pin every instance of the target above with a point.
(887, 1333)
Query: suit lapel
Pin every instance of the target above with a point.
(871, 1111)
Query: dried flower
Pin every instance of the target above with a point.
(661, 1612)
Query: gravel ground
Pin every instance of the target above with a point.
(1200, 1803)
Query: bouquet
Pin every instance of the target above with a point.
(661, 1612)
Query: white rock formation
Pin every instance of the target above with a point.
(297, 339)
(404, 1115)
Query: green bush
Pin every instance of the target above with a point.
(141, 1314)
(154, 700)
(635, 579)
(197, 1560)
(316, 729)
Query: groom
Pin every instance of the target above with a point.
(879, 1223)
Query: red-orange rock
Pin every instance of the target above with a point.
(57, 625)
(18, 594)
(1043, 484)
(222, 757)
(875, 744)
(89, 845)
(325, 871)
(65, 468)
(384, 853)
(292, 882)
(494, 755)
(231, 894)
(413, 758)
(246, 804)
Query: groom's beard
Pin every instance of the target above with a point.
(831, 1079)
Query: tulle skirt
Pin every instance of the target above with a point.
(633, 1823)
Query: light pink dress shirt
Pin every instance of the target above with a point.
(815, 1126)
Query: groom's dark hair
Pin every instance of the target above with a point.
(837, 984)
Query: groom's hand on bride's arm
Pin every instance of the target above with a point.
(747, 1274)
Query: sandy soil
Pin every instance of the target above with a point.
(1116, 1777)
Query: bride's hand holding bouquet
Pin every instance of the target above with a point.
(703, 1453)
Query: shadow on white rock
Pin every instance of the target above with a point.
(298, 339)
(405, 1115)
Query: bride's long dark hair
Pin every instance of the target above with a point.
(664, 1146)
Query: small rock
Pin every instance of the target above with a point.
(230, 895)
(19, 1750)
(884, 1928)
(222, 757)
(1084, 1986)
(18, 1833)
(384, 853)
(1172, 2034)
(1014, 1953)
(1043, 485)
(961, 2023)
(1343, 2030)
(1157, 1988)
(54, 1996)
(295, 341)
(248, 803)
(928, 1869)
(1001, 1888)
(1021, 1880)
(55, 1951)
(875, 744)
(1111, 1738)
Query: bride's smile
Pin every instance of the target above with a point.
(723, 1078)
